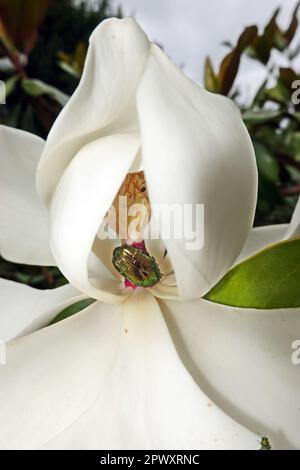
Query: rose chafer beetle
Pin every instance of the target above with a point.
(136, 266)
(265, 443)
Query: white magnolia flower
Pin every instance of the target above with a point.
(139, 368)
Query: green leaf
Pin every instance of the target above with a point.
(267, 280)
(260, 94)
(72, 310)
(11, 83)
(293, 144)
(210, 78)
(35, 87)
(69, 69)
(262, 46)
(261, 116)
(268, 167)
(273, 38)
(279, 93)
(268, 193)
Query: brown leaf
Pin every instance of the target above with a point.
(262, 46)
(20, 20)
(230, 64)
(291, 30)
(287, 76)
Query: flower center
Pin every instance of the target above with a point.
(131, 211)
(131, 214)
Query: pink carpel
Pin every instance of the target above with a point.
(129, 284)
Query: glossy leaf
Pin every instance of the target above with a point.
(36, 88)
(273, 37)
(292, 28)
(11, 83)
(279, 93)
(259, 96)
(230, 64)
(72, 310)
(268, 167)
(270, 279)
(261, 116)
(262, 46)
(210, 78)
(288, 76)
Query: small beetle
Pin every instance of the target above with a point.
(265, 443)
(136, 266)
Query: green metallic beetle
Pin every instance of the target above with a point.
(136, 266)
(265, 444)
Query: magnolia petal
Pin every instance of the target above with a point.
(23, 219)
(196, 150)
(157, 248)
(104, 101)
(149, 401)
(294, 227)
(103, 250)
(108, 377)
(84, 194)
(165, 289)
(243, 360)
(169, 280)
(261, 237)
(97, 269)
(53, 375)
(24, 309)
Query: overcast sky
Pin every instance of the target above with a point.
(189, 30)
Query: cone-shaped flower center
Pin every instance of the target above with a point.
(128, 216)
(131, 211)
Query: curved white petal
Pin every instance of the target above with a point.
(165, 291)
(97, 269)
(243, 360)
(294, 227)
(84, 194)
(108, 378)
(149, 400)
(196, 149)
(53, 375)
(23, 219)
(104, 101)
(24, 309)
(103, 251)
(156, 247)
(260, 238)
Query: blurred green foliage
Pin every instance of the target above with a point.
(63, 39)
(43, 72)
(273, 120)
(43, 45)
